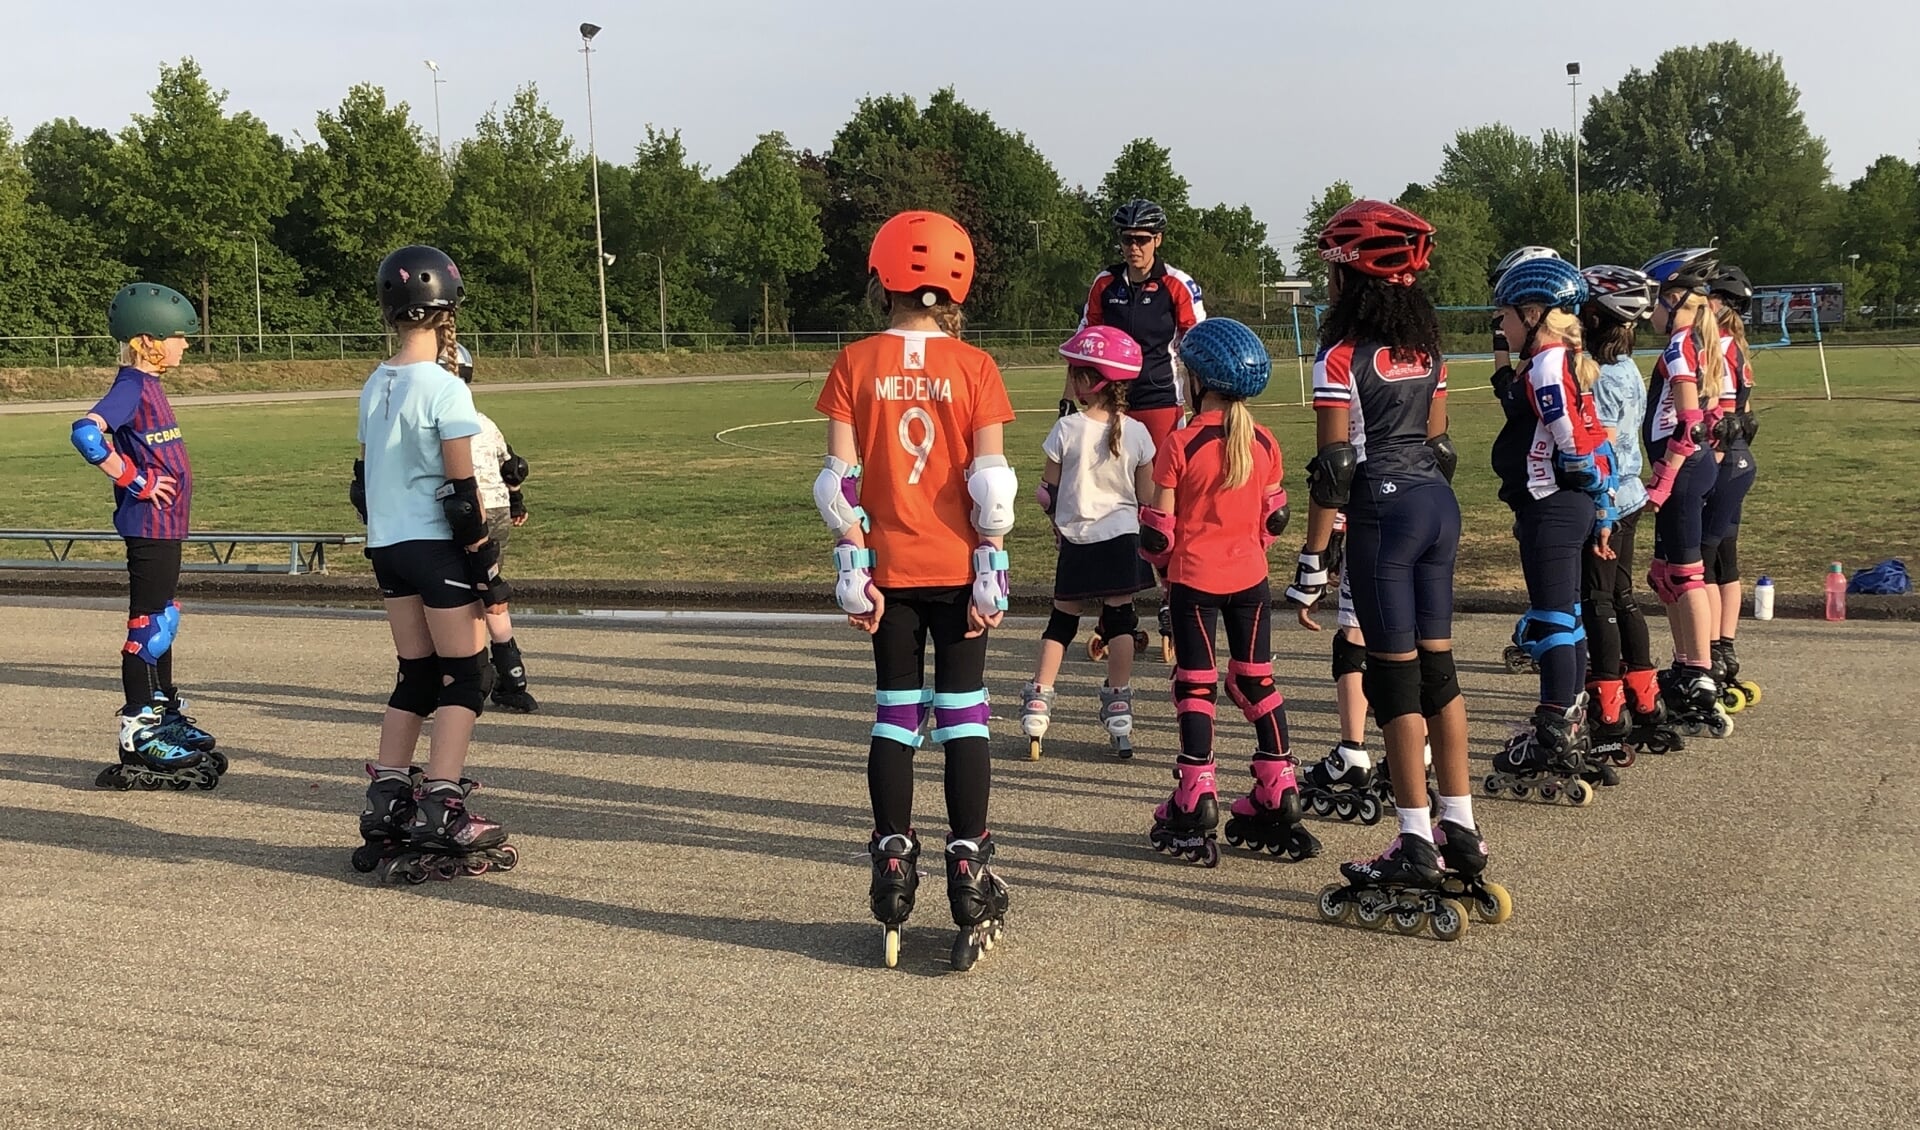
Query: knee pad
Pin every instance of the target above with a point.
(898, 715)
(417, 688)
(1348, 657)
(1393, 688)
(1250, 686)
(960, 714)
(1728, 559)
(1538, 632)
(1118, 620)
(1710, 561)
(1600, 606)
(465, 681)
(150, 636)
(1061, 627)
(1439, 684)
(1193, 691)
(1671, 582)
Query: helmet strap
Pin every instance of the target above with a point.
(148, 353)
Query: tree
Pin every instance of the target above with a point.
(1144, 170)
(54, 272)
(186, 177)
(772, 229)
(1880, 222)
(519, 210)
(71, 168)
(1338, 195)
(1622, 226)
(665, 205)
(1465, 243)
(1526, 185)
(1715, 136)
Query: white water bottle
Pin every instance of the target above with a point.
(1763, 598)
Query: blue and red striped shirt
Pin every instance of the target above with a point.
(145, 432)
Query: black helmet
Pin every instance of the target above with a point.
(1140, 215)
(417, 279)
(1683, 268)
(1731, 284)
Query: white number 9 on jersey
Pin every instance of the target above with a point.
(920, 451)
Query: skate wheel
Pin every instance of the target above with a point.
(964, 954)
(414, 873)
(890, 946)
(1491, 785)
(217, 762)
(1033, 749)
(477, 866)
(1139, 643)
(1322, 805)
(1494, 905)
(1752, 691)
(1334, 906)
(1345, 808)
(1370, 810)
(1552, 792)
(1123, 750)
(1719, 726)
(1234, 838)
(1302, 845)
(148, 783)
(1166, 650)
(1515, 659)
(1207, 856)
(1370, 913)
(1624, 759)
(1579, 794)
(1408, 920)
(1096, 648)
(182, 784)
(506, 857)
(1448, 921)
(1732, 701)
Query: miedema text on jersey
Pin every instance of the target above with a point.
(915, 399)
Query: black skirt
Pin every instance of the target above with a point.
(1101, 569)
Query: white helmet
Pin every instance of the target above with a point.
(1623, 294)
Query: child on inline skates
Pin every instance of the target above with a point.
(132, 436)
(500, 473)
(1385, 458)
(1732, 427)
(1219, 505)
(917, 490)
(1099, 466)
(437, 570)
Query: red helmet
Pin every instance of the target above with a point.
(920, 251)
(1379, 239)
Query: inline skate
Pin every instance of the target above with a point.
(1518, 661)
(1116, 713)
(149, 761)
(1548, 756)
(978, 898)
(1166, 635)
(1609, 725)
(1735, 694)
(1402, 887)
(1693, 702)
(1345, 783)
(1463, 851)
(510, 682)
(1184, 824)
(1652, 731)
(445, 840)
(1268, 817)
(178, 727)
(896, 876)
(1097, 644)
(387, 816)
(1036, 712)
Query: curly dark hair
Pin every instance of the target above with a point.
(1400, 317)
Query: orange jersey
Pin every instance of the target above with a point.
(915, 399)
(1216, 531)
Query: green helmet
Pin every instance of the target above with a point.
(151, 309)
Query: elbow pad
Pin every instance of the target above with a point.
(1156, 536)
(993, 486)
(1444, 454)
(1275, 518)
(90, 441)
(1726, 428)
(836, 494)
(1749, 426)
(1687, 433)
(1330, 475)
(460, 502)
(513, 469)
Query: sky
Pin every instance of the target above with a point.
(1263, 102)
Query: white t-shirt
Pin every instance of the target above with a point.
(1095, 500)
(489, 451)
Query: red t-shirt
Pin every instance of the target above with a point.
(1216, 534)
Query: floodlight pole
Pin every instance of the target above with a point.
(438, 82)
(1573, 80)
(587, 32)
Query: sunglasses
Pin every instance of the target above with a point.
(1135, 239)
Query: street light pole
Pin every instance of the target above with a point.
(1573, 80)
(1036, 234)
(438, 82)
(660, 264)
(587, 32)
(259, 323)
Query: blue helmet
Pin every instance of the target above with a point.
(1553, 283)
(1227, 358)
(1690, 267)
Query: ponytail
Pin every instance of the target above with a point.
(1713, 366)
(1114, 399)
(1564, 326)
(449, 357)
(1238, 429)
(1734, 326)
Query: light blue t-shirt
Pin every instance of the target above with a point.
(1620, 397)
(405, 411)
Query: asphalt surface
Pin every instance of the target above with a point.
(1727, 939)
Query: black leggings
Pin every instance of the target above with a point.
(153, 580)
(957, 702)
(1616, 630)
(1249, 615)
(1553, 536)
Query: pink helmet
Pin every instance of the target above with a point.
(1107, 351)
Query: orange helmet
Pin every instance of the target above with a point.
(920, 251)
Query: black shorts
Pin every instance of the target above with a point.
(1101, 569)
(434, 571)
(1399, 564)
(153, 574)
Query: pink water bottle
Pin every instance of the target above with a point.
(1836, 592)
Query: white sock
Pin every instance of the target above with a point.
(390, 773)
(1458, 809)
(1416, 821)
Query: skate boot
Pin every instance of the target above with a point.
(896, 876)
(1463, 852)
(445, 839)
(1746, 687)
(1735, 695)
(1608, 726)
(1693, 701)
(1402, 887)
(1652, 731)
(1166, 635)
(978, 898)
(1269, 816)
(1343, 783)
(510, 681)
(149, 761)
(1116, 713)
(388, 815)
(1547, 755)
(178, 727)
(1036, 711)
(1184, 825)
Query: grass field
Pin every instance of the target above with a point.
(631, 482)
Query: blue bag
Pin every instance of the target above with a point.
(1889, 578)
